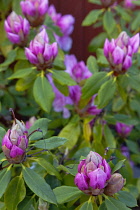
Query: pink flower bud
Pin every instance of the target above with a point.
(40, 52)
(123, 130)
(119, 52)
(93, 173)
(30, 122)
(17, 29)
(115, 184)
(34, 11)
(15, 142)
(129, 4)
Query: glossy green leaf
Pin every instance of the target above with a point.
(27, 203)
(93, 84)
(43, 125)
(103, 206)
(5, 176)
(114, 204)
(43, 93)
(118, 165)
(108, 21)
(50, 143)
(101, 59)
(109, 138)
(87, 206)
(123, 13)
(92, 17)
(22, 73)
(92, 64)
(48, 167)
(97, 42)
(71, 132)
(15, 193)
(66, 193)
(133, 146)
(127, 198)
(38, 185)
(63, 78)
(2, 133)
(10, 59)
(106, 93)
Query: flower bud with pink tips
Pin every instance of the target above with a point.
(93, 173)
(34, 11)
(17, 29)
(119, 52)
(40, 52)
(15, 142)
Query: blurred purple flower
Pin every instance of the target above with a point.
(123, 130)
(129, 3)
(126, 153)
(17, 29)
(119, 52)
(93, 173)
(65, 23)
(34, 11)
(40, 52)
(15, 142)
(30, 122)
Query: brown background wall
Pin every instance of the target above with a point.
(81, 35)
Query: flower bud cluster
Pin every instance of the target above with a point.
(40, 52)
(119, 52)
(15, 142)
(34, 11)
(17, 29)
(94, 176)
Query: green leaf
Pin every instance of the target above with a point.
(101, 59)
(50, 143)
(62, 88)
(16, 6)
(114, 204)
(43, 125)
(136, 22)
(97, 42)
(134, 81)
(63, 78)
(93, 84)
(38, 185)
(133, 146)
(118, 165)
(10, 59)
(43, 93)
(71, 132)
(106, 93)
(21, 54)
(92, 17)
(22, 73)
(48, 167)
(27, 203)
(2, 133)
(102, 206)
(15, 193)
(108, 22)
(127, 198)
(87, 206)
(109, 138)
(5, 176)
(66, 193)
(92, 64)
(123, 13)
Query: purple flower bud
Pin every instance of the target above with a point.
(123, 130)
(129, 4)
(93, 174)
(17, 29)
(15, 142)
(40, 52)
(34, 11)
(115, 184)
(30, 122)
(119, 52)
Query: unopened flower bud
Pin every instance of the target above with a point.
(40, 52)
(107, 3)
(119, 52)
(15, 142)
(115, 184)
(123, 130)
(93, 173)
(34, 11)
(17, 29)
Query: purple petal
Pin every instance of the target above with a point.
(16, 151)
(26, 26)
(82, 162)
(7, 27)
(81, 181)
(70, 61)
(47, 52)
(106, 48)
(6, 141)
(54, 49)
(118, 55)
(28, 8)
(13, 38)
(43, 7)
(107, 169)
(135, 42)
(97, 179)
(127, 62)
(30, 56)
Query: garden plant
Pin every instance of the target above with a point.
(70, 130)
